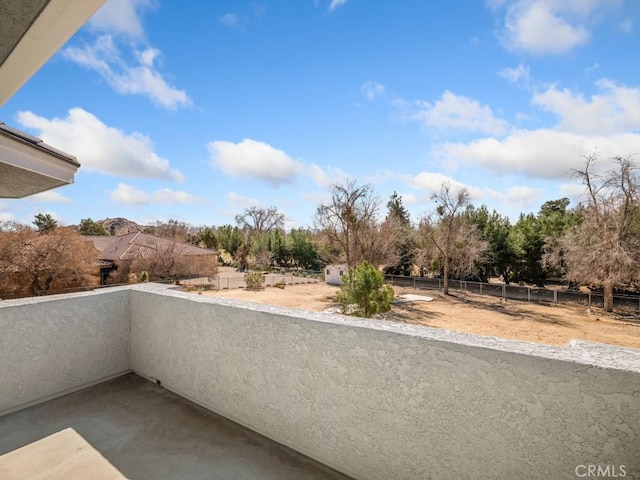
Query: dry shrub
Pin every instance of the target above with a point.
(254, 280)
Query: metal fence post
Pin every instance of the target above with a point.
(555, 297)
(529, 294)
(414, 283)
(480, 288)
(589, 299)
(504, 292)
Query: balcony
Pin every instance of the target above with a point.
(131, 428)
(152, 368)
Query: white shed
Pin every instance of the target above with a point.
(333, 274)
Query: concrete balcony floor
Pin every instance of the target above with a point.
(132, 428)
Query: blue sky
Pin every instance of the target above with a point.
(197, 110)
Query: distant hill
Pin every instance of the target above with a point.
(120, 226)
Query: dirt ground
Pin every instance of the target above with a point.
(548, 324)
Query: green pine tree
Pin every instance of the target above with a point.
(363, 292)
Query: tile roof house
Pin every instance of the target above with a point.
(134, 245)
(116, 249)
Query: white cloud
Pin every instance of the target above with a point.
(101, 148)
(614, 109)
(167, 196)
(121, 17)
(335, 4)
(519, 74)
(256, 160)
(7, 217)
(411, 199)
(229, 20)
(459, 113)
(131, 195)
(118, 26)
(260, 161)
(573, 191)
(319, 176)
(372, 89)
(432, 183)
(50, 196)
(542, 153)
(520, 196)
(240, 201)
(137, 77)
(608, 122)
(325, 178)
(548, 26)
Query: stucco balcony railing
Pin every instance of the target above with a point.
(370, 399)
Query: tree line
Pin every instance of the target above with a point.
(595, 242)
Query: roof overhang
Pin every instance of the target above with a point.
(28, 165)
(31, 31)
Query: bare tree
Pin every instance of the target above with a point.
(605, 248)
(379, 242)
(450, 237)
(172, 229)
(10, 226)
(33, 263)
(345, 220)
(256, 221)
(166, 259)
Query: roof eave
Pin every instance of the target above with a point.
(57, 22)
(30, 166)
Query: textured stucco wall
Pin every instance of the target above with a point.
(387, 401)
(52, 345)
(376, 400)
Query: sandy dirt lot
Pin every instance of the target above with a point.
(548, 324)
